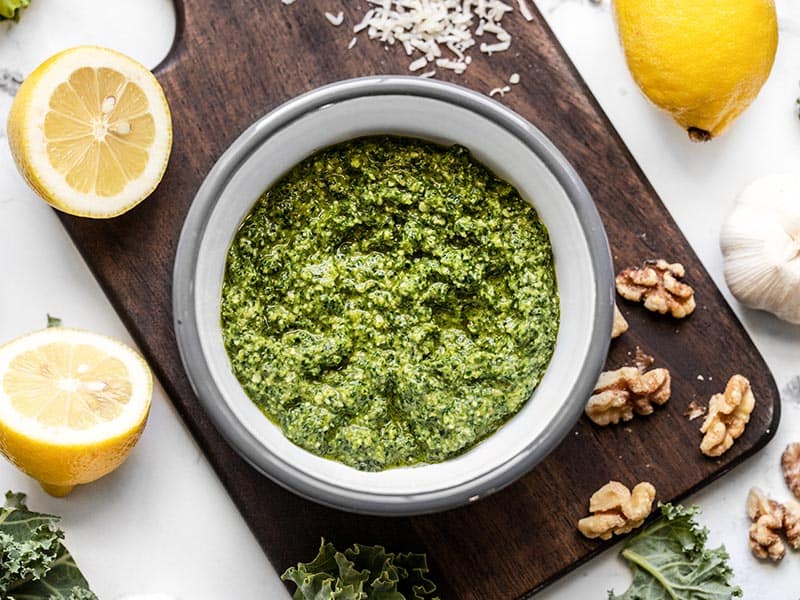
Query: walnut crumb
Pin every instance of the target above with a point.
(620, 324)
(695, 410)
(643, 360)
(790, 462)
(656, 284)
(617, 510)
(728, 414)
(621, 393)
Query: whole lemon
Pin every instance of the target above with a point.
(703, 61)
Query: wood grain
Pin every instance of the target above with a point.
(233, 62)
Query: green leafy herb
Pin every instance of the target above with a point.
(10, 9)
(53, 321)
(34, 564)
(670, 561)
(361, 573)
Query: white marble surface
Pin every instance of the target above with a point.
(163, 523)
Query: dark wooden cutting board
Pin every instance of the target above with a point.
(234, 61)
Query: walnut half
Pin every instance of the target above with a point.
(728, 414)
(621, 393)
(770, 518)
(616, 510)
(790, 463)
(767, 518)
(657, 285)
(791, 523)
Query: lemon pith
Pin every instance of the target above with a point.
(72, 405)
(703, 61)
(90, 131)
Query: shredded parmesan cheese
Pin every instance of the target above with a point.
(502, 91)
(492, 48)
(334, 20)
(418, 64)
(441, 31)
(525, 10)
(364, 22)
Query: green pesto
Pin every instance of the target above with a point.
(390, 302)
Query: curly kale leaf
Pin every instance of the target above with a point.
(670, 561)
(34, 564)
(29, 543)
(361, 573)
(10, 9)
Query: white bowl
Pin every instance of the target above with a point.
(442, 113)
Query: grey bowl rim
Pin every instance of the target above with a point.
(183, 293)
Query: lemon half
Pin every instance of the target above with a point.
(90, 131)
(72, 405)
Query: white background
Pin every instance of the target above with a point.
(162, 522)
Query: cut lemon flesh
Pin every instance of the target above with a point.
(72, 405)
(91, 132)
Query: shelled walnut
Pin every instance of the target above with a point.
(621, 393)
(791, 523)
(770, 518)
(767, 518)
(728, 414)
(620, 324)
(790, 462)
(656, 283)
(616, 510)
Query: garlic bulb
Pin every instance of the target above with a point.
(760, 242)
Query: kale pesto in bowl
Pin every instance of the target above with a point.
(388, 340)
(390, 302)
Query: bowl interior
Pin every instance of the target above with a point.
(510, 158)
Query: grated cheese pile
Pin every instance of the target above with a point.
(438, 32)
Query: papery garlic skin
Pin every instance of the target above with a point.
(760, 242)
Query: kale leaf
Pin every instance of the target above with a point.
(9, 9)
(361, 573)
(670, 561)
(34, 563)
